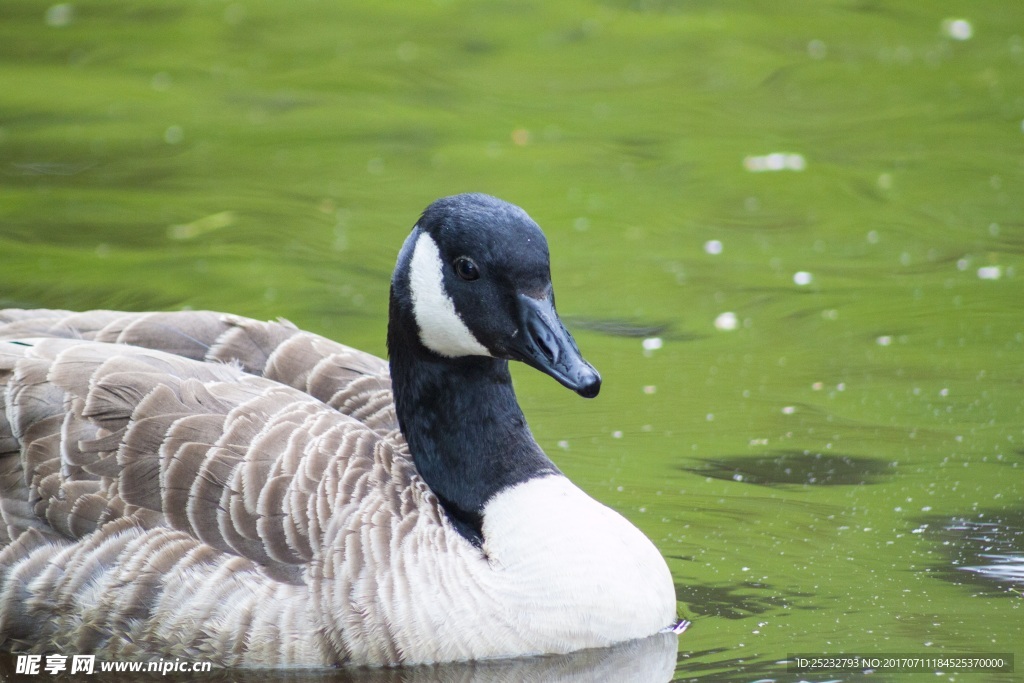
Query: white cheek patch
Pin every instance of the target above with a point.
(441, 328)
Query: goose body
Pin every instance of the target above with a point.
(207, 486)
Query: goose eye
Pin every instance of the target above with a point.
(466, 269)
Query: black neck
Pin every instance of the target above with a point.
(464, 427)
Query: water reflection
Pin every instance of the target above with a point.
(984, 552)
(620, 328)
(806, 468)
(736, 601)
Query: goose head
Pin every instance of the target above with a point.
(473, 279)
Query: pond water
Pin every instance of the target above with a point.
(789, 234)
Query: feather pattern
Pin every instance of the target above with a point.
(200, 487)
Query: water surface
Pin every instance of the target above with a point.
(789, 234)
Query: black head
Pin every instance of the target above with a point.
(474, 278)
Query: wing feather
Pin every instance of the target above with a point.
(199, 484)
(353, 381)
(234, 460)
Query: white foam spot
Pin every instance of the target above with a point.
(726, 321)
(161, 81)
(59, 16)
(441, 328)
(174, 135)
(958, 29)
(776, 161)
(817, 49)
(713, 247)
(652, 344)
(990, 272)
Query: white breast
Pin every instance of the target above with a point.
(576, 571)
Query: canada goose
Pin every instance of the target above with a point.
(199, 485)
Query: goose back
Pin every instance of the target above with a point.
(354, 382)
(210, 491)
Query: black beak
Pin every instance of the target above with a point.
(543, 342)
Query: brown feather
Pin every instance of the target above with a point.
(161, 471)
(250, 342)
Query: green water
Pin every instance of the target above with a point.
(819, 476)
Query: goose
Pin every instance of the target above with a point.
(208, 486)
